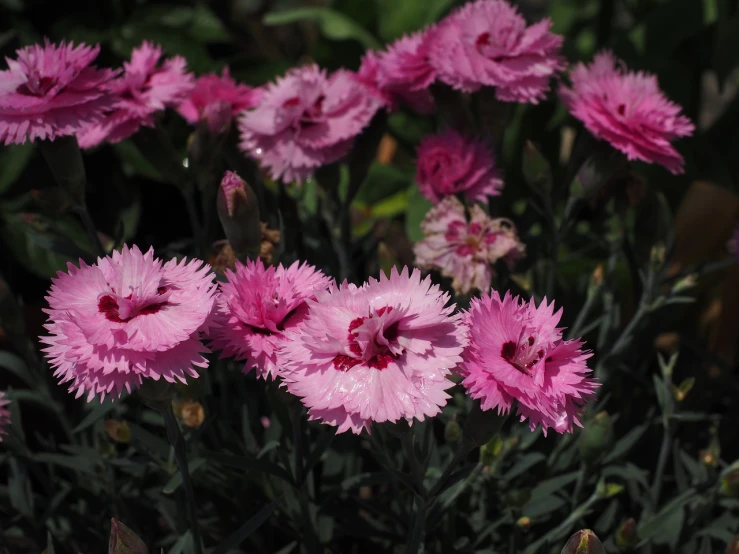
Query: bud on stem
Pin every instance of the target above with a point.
(584, 542)
(238, 210)
(124, 541)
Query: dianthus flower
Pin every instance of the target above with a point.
(382, 352)
(487, 43)
(51, 91)
(628, 110)
(4, 415)
(258, 306)
(466, 251)
(145, 88)
(517, 353)
(449, 163)
(305, 120)
(128, 318)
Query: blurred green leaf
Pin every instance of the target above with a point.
(176, 480)
(418, 206)
(396, 17)
(243, 532)
(16, 365)
(13, 160)
(19, 489)
(665, 518)
(333, 24)
(382, 181)
(626, 443)
(97, 413)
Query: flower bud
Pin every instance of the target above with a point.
(452, 431)
(596, 437)
(217, 116)
(584, 542)
(156, 394)
(190, 412)
(64, 157)
(733, 546)
(729, 482)
(124, 541)
(481, 426)
(119, 431)
(490, 451)
(524, 523)
(626, 536)
(238, 210)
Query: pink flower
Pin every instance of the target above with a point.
(405, 64)
(258, 306)
(381, 352)
(487, 43)
(449, 163)
(127, 318)
(306, 120)
(466, 251)
(51, 91)
(628, 110)
(369, 74)
(145, 88)
(213, 93)
(4, 415)
(517, 353)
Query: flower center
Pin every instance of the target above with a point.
(377, 353)
(523, 355)
(36, 86)
(110, 306)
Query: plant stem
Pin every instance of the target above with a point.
(664, 453)
(90, 229)
(180, 453)
(418, 531)
(579, 484)
(584, 312)
(192, 213)
(459, 455)
(416, 469)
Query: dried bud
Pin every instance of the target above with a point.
(192, 413)
(238, 210)
(452, 431)
(598, 276)
(584, 542)
(596, 437)
(481, 426)
(270, 242)
(222, 256)
(119, 431)
(681, 391)
(524, 523)
(733, 546)
(626, 534)
(124, 541)
(729, 482)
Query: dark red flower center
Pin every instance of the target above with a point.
(108, 305)
(621, 109)
(523, 356)
(379, 360)
(36, 86)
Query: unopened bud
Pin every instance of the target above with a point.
(524, 522)
(687, 282)
(657, 255)
(452, 431)
(119, 431)
(598, 276)
(481, 426)
(124, 541)
(156, 394)
(681, 391)
(733, 546)
(626, 534)
(490, 451)
(238, 210)
(596, 437)
(584, 542)
(729, 482)
(64, 158)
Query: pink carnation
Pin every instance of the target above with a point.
(305, 120)
(258, 306)
(517, 353)
(4, 415)
(628, 110)
(449, 163)
(466, 251)
(487, 43)
(51, 91)
(369, 74)
(381, 352)
(212, 92)
(146, 87)
(405, 64)
(127, 318)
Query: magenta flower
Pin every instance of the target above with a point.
(145, 88)
(51, 91)
(4, 415)
(466, 251)
(126, 318)
(405, 64)
(213, 94)
(306, 120)
(628, 110)
(487, 43)
(258, 306)
(449, 163)
(517, 353)
(381, 352)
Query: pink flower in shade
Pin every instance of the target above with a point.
(258, 306)
(465, 250)
(4, 415)
(517, 353)
(628, 110)
(213, 93)
(449, 163)
(305, 120)
(381, 352)
(487, 43)
(126, 318)
(51, 91)
(421, 100)
(405, 64)
(146, 87)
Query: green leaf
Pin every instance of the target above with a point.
(665, 517)
(396, 18)
(626, 442)
(523, 464)
(418, 206)
(96, 414)
(243, 532)
(174, 483)
(333, 24)
(550, 486)
(381, 182)
(17, 366)
(13, 160)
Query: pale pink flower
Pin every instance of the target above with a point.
(517, 353)
(4, 415)
(213, 93)
(128, 318)
(305, 120)
(465, 250)
(487, 43)
(148, 85)
(257, 307)
(449, 163)
(381, 352)
(628, 110)
(51, 91)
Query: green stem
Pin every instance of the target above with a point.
(192, 213)
(90, 229)
(664, 453)
(460, 454)
(180, 452)
(410, 452)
